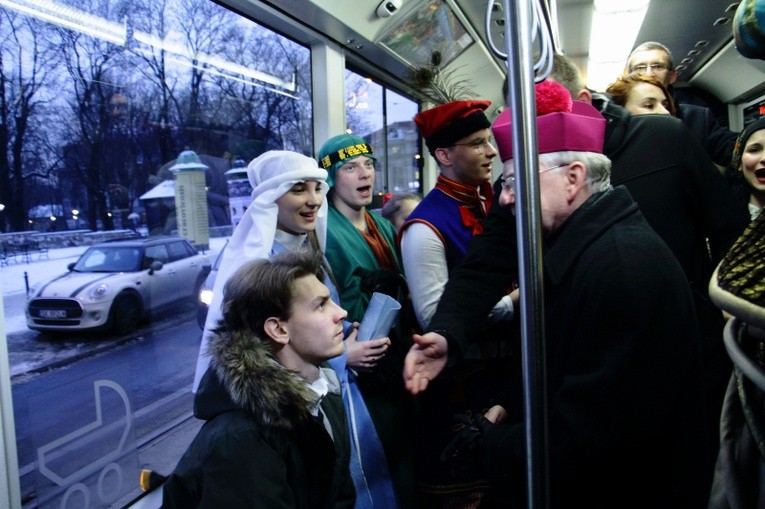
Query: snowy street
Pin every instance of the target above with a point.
(26, 352)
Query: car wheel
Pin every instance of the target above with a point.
(125, 314)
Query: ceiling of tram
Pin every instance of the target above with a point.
(693, 35)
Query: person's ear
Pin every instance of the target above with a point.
(672, 76)
(576, 176)
(584, 95)
(277, 330)
(443, 156)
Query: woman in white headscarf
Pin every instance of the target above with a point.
(289, 212)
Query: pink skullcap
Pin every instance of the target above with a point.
(562, 124)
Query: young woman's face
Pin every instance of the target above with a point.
(299, 207)
(645, 98)
(753, 162)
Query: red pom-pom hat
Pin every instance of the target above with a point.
(443, 125)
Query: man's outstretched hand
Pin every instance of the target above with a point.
(426, 359)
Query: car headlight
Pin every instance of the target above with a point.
(205, 297)
(98, 292)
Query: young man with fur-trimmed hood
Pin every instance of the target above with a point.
(276, 433)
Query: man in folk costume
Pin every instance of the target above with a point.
(361, 249)
(433, 241)
(436, 236)
(361, 245)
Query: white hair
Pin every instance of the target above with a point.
(598, 167)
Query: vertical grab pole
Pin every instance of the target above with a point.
(522, 102)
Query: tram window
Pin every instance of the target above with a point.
(385, 119)
(111, 95)
(402, 147)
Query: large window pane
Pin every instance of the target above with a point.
(100, 98)
(402, 144)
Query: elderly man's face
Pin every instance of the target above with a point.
(552, 193)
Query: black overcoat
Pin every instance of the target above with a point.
(625, 402)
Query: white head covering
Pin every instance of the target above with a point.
(271, 175)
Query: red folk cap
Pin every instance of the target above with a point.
(562, 124)
(445, 124)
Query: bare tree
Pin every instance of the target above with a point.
(91, 65)
(206, 29)
(268, 115)
(151, 17)
(26, 63)
(357, 93)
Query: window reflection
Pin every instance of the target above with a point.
(104, 97)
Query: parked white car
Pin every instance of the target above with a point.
(116, 284)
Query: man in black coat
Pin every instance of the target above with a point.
(276, 434)
(625, 402)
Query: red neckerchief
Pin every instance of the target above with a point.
(477, 200)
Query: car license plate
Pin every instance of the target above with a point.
(53, 313)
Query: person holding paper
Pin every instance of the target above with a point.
(361, 249)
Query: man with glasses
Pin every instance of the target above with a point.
(437, 234)
(654, 59)
(623, 357)
(433, 241)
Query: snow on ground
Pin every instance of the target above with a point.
(12, 282)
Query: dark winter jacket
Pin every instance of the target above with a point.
(716, 139)
(260, 446)
(625, 403)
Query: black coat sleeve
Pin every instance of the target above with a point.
(484, 276)
(722, 216)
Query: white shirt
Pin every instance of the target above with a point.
(321, 387)
(424, 258)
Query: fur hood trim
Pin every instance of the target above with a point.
(256, 382)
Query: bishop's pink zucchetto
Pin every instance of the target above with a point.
(562, 124)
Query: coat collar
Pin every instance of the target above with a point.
(480, 196)
(582, 228)
(617, 122)
(245, 369)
